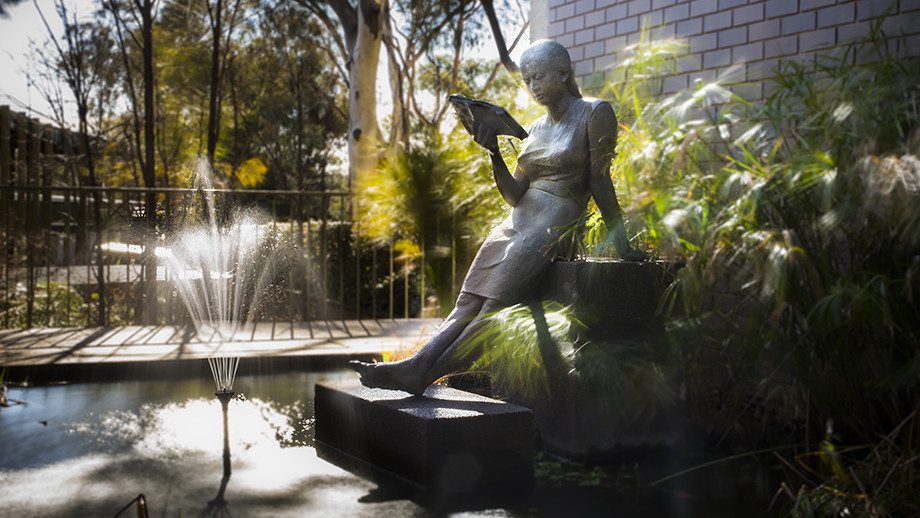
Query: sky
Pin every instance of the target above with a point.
(24, 25)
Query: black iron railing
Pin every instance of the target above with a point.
(62, 265)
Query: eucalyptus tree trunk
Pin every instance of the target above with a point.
(363, 136)
(362, 26)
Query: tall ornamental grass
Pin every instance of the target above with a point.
(799, 220)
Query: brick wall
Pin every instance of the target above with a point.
(738, 41)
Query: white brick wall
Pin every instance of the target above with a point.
(753, 35)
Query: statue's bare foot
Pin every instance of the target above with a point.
(390, 376)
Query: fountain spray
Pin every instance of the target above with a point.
(224, 372)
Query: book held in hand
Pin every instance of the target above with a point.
(475, 114)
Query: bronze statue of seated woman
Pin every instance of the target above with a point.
(565, 160)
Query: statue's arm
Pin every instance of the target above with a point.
(511, 187)
(602, 138)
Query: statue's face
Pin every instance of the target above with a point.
(545, 83)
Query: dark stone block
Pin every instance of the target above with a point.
(623, 395)
(611, 296)
(449, 440)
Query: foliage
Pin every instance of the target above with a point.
(410, 202)
(280, 100)
(251, 173)
(508, 345)
(437, 193)
(285, 102)
(798, 218)
(55, 304)
(872, 480)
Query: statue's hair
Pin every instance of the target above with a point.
(557, 57)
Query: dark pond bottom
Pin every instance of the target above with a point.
(87, 449)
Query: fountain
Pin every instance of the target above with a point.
(224, 274)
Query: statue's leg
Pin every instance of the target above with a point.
(454, 358)
(467, 308)
(410, 374)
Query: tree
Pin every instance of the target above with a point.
(407, 43)
(292, 114)
(357, 36)
(134, 29)
(504, 56)
(81, 59)
(220, 61)
(362, 25)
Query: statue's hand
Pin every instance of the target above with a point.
(636, 255)
(487, 138)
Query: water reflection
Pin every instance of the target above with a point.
(61, 422)
(192, 426)
(105, 443)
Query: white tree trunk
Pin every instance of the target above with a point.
(363, 134)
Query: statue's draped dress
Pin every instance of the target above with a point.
(555, 158)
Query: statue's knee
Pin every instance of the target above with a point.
(467, 302)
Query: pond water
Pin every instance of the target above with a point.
(87, 449)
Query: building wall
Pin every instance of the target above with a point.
(738, 41)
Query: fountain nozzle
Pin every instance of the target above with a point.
(224, 372)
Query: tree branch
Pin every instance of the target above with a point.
(491, 77)
(503, 54)
(348, 19)
(344, 52)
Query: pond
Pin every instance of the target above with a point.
(87, 449)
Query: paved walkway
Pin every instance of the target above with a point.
(95, 345)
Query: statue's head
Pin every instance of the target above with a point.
(546, 68)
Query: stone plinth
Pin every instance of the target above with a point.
(612, 296)
(623, 395)
(449, 440)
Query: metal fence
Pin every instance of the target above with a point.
(61, 266)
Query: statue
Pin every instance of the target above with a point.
(565, 159)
